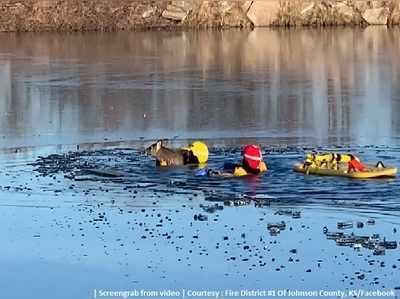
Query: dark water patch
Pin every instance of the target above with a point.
(280, 185)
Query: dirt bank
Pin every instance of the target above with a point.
(116, 15)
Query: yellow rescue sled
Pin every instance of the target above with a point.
(370, 172)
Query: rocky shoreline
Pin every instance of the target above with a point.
(119, 15)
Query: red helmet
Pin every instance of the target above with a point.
(252, 156)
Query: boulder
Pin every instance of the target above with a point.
(263, 13)
(178, 10)
(148, 13)
(174, 13)
(376, 16)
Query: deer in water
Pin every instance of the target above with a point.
(165, 156)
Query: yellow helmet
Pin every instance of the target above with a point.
(199, 150)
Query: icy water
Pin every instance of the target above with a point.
(69, 235)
